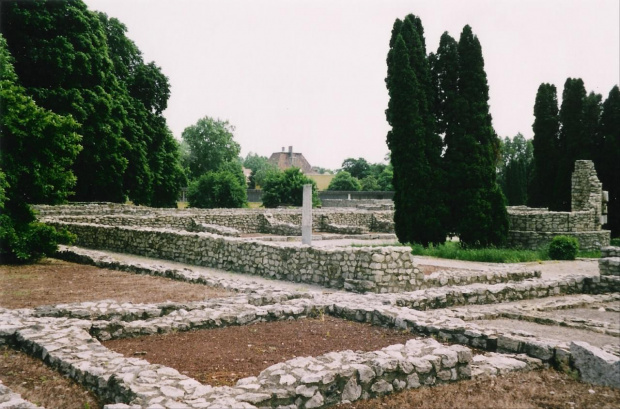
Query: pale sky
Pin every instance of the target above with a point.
(310, 73)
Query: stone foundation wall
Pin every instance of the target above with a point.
(609, 263)
(381, 270)
(266, 221)
(589, 240)
(535, 228)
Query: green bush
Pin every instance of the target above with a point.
(563, 248)
(28, 241)
(345, 182)
(286, 188)
(217, 190)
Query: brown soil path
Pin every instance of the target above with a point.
(40, 384)
(53, 282)
(223, 356)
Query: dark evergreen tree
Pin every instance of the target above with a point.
(514, 172)
(609, 166)
(444, 76)
(414, 155)
(592, 140)
(546, 133)
(571, 143)
(477, 204)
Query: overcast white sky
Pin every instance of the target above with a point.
(310, 73)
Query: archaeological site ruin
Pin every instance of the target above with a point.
(470, 321)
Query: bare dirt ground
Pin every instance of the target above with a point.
(53, 282)
(42, 385)
(518, 390)
(225, 355)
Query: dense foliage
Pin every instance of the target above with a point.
(38, 148)
(286, 189)
(414, 144)
(546, 132)
(344, 181)
(444, 185)
(515, 169)
(563, 248)
(217, 190)
(260, 166)
(211, 144)
(76, 62)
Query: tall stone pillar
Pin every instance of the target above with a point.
(306, 216)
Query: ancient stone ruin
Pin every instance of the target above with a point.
(533, 228)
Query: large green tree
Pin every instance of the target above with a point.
(62, 59)
(546, 129)
(415, 148)
(358, 168)
(477, 204)
(344, 181)
(211, 144)
(286, 188)
(37, 149)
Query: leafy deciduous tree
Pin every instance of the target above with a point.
(217, 190)
(286, 188)
(37, 149)
(210, 144)
(344, 181)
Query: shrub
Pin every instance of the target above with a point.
(344, 181)
(563, 248)
(217, 190)
(23, 240)
(286, 188)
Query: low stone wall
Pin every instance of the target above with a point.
(609, 263)
(534, 228)
(588, 240)
(381, 270)
(542, 220)
(267, 221)
(377, 204)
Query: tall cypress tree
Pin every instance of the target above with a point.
(414, 154)
(477, 204)
(546, 133)
(444, 77)
(571, 143)
(609, 168)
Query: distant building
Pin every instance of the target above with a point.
(284, 160)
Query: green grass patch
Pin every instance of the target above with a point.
(615, 242)
(454, 251)
(589, 254)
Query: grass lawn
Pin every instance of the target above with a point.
(453, 250)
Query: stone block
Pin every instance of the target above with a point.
(595, 365)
